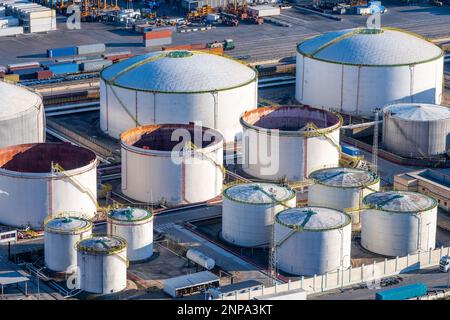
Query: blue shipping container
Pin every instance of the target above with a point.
(27, 74)
(62, 52)
(352, 151)
(63, 68)
(403, 293)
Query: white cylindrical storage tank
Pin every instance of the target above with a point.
(177, 87)
(289, 142)
(60, 238)
(33, 189)
(248, 211)
(342, 189)
(154, 170)
(136, 227)
(416, 129)
(312, 240)
(357, 70)
(102, 263)
(22, 118)
(201, 259)
(398, 223)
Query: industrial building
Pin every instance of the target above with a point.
(176, 87)
(55, 177)
(155, 169)
(296, 140)
(248, 211)
(21, 116)
(312, 240)
(416, 130)
(363, 69)
(433, 183)
(397, 223)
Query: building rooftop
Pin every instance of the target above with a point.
(399, 201)
(418, 111)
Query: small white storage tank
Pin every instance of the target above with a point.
(32, 189)
(22, 118)
(416, 129)
(102, 263)
(312, 240)
(200, 258)
(177, 87)
(357, 70)
(289, 142)
(136, 227)
(154, 172)
(342, 189)
(398, 223)
(248, 211)
(60, 238)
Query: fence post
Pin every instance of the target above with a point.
(429, 257)
(326, 279)
(385, 266)
(321, 282)
(276, 286)
(338, 276)
(289, 284)
(350, 275)
(301, 282)
(407, 260)
(418, 257)
(314, 283)
(396, 263)
(362, 272)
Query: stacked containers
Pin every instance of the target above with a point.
(64, 68)
(61, 52)
(91, 48)
(94, 65)
(157, 38)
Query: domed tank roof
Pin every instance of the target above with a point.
(370, 47)
(344, 177)
(129, 214)
(178, 72)
(102, 245)
(399, 201)
(418, 111)
(259, 193)
(15, 100)
(68, 225)
(313, 218)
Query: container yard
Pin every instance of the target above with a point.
(224, 151)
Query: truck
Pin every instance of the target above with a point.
(444, 264)
(227, 44)
(403, 293)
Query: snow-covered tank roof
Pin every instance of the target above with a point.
(102, 245)
(129, 214)
(259, 193)
(179, 72)
(418, 111)
(344, 177)
(68, 225)
(399, 201)
(15, 100)
(313, 218)
(370, 47)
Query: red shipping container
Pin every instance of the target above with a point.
(44, 74)
(179, 47)
(119, 57)
(157, 34)
(23, 66)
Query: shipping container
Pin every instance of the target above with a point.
(91, 48)
(73, 59)
(157, 42)
(44, 74)
(264, 11)
(23, 65)
(27, 74)
(119, 53)
(63, 68)
(9, 22)
(95, 65)
(11, 31)
(352, 151)
(403, 292)
(11, 78)
(157, 34)
(62, 52)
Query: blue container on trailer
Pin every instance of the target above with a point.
(403, 293)
(63, 68)
(352, 151)
(27, 74)
(62, 52)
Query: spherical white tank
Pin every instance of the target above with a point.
(398, 223)
(312, 240)
(342, 189)
(248, 211)
(176, 87)
(354, 71)
(60, 238)
(22, 118)
(416, 130)
(289, 142)
(33, 189)
(154, 170)
(102, 263)
(136, 227)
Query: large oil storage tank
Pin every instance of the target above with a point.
(60, 238)
(40, 180)
(356, 70)
(342, 189)
(135, 225)
(102, 263)
(155, 170)
(248, 212)
(312, 240)
(22, 117)
(176, 87)
(416, 129)
(398, 223)
(289, 142)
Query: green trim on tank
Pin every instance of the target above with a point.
(375, 207)
(376, 180)
(280, 202)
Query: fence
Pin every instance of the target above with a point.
(368, 274)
